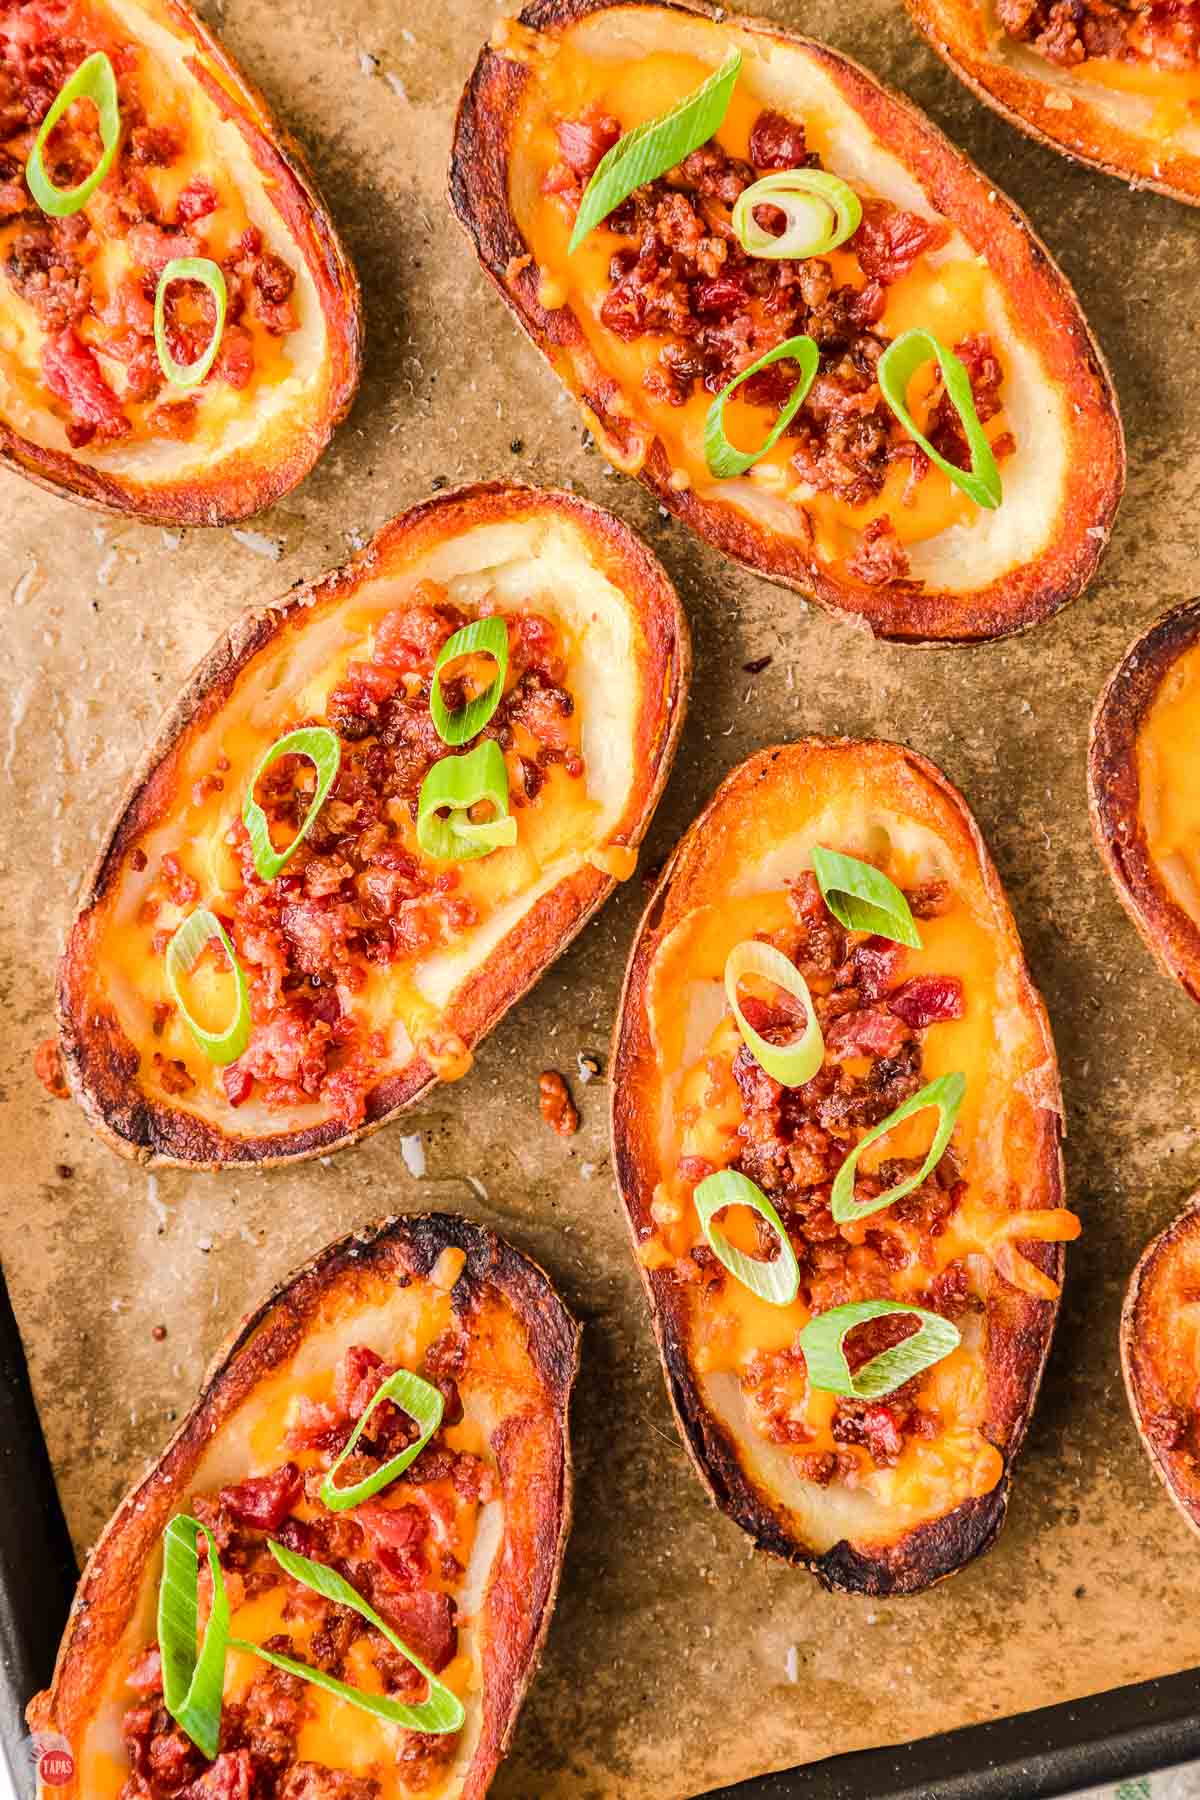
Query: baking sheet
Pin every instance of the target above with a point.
(677, 1660)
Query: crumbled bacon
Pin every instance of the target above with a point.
(870, 1033)
(928, 1000)
(779, 143)
(889, 241)
(264, 1501)
(583, 141)
(73, 376)
(881, 558)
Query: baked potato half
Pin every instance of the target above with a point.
(375, 937)
(179, 341)
(1158, 1356)
(459, 1553)
(1144, 793)
(1111, 86)
(881, 1483)
(660, 308)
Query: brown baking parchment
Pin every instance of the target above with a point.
(677, 1659)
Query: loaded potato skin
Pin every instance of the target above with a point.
(372, 963)
(460, 1554)
(662, 307)
(881, 1493)
(1158, 1357)
(1113, 86)
(1144, 796)
(206, 233)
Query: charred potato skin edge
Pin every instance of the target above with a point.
(1114, 802)
(254, 481)
(95, 1052)
(1132, 1334)
(410, 1244)
(941, 1547)
(1018, 600)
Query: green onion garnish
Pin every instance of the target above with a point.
(323, 748)
(459, 782)
(946, 1094)
(896, 368)
(653, 148)
(481, 637)
(441, 1712)
(422, 1403)
(794, 1063)
(192, 1686)
(189, 268)
(183, 952)
(93, 80)
(723, 458)
(862, 898)
(777, 1281)
(823, 1337)
(822, 212)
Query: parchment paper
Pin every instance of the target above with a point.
(677, 1659)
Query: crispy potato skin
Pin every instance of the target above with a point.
(1019, 1327)
(1114, 801)
(1166, 1275)
(958, 32)
(520, 1596)
(251, 479)
(1043, 301)
(98, 1059)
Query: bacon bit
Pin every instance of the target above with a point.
(874, 964)
(584, 141)
(73, 376)
(889, 241)
(555, 1103)
(238, 1084)
(779, 143)
(424, 1619)
(870, 1033)
(196, 201)
(264, 1501)
(881, 558)
(47, 1066)
(182, 887)
(138, 859)
(930, 900)
(145, 1671)
(928, 1000)
(173, 1076)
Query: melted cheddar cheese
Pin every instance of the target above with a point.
(401, 1325)
(1168, 784)
(945, 292)
(733, 1334)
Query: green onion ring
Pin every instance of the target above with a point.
(460, 782)
(442, 1711)
(653, 148)
(946, 1094)
(823, 1337)
(93, 80)
(822, 212)
(485, 637)
(424, 1406)
(778, 1281)
(792, 1064)
(323, 749)
(896, 368)
(189, 268)
(193, 1685)
(725, 459)
(862, 898)
(183, 952)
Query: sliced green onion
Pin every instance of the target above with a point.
(896, 368)
(440, 1712)
(795, 1063)
(823, 1337)
(862, 898)
(725, 459)
(323, 748)
(822, 212)
(484, 637)
(653, 148)
(189, 268)
(946, 1094)
(192, 1685)
(183, 952)
(422, 1403)
(778, 1281)
(460, 782)
(93, 80)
